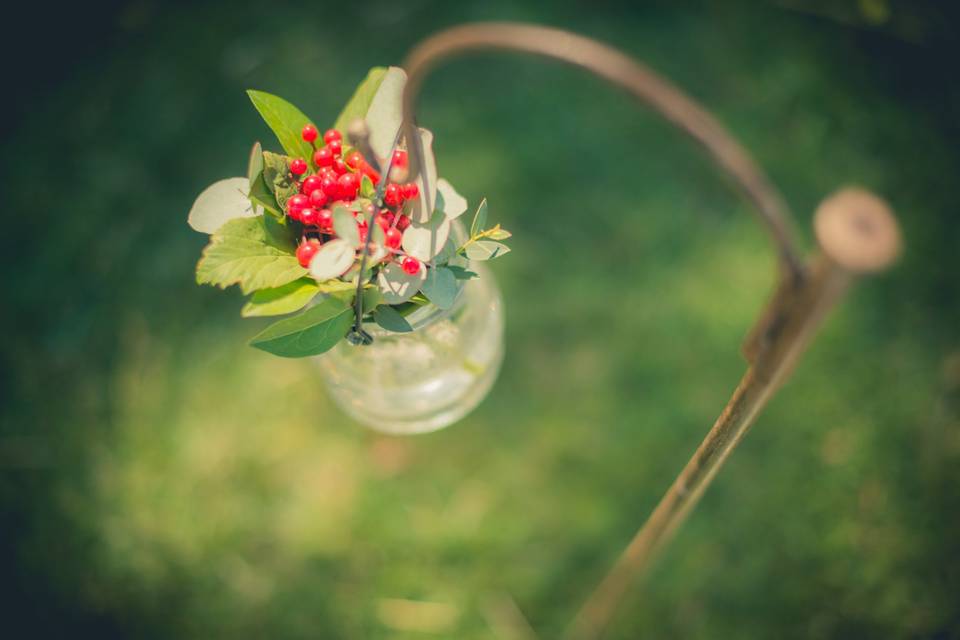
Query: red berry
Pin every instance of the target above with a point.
(298, 166)
(393, 196)
(330, 135)
(306, 251)
(410, 191)
(385, 219)
(330, 187)
(340, 167)
(325, 220)
(295, 204)
(410, 265)
(328, 172)
(309, 133)
(308, 216)
(362, 227)
(399, 158)
(311, 184)
(403, 222)
(355, 160)
(318, 198)
(349, 185)
(393, 239)
(335, 146)
(323, 157)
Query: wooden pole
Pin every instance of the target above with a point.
(855, 230)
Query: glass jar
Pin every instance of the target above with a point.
(428, 378)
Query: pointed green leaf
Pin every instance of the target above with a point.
(285, 120)
(280, 300)
(391, 320)
(261, 196)
(441, 286)
(359, 103)
(485, 250)
(255, 253)
(479, 219)
(311, 333)
(255, 165)
(367, 190)
(277, 176)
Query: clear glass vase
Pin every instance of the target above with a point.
(429, 378)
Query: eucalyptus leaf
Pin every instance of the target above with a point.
(285, 120)
(454, 204)
(485, 250)
(391, 320)
(426, 179)
(385, 112)
(497, 233)
(461, 273)
(397, 285)
(479, 219)
(345, 226)
(359, 103)
(424, 241)
(311, 333)
(222, 201)
(333, 259)
(253, 252)
(441, 286)
(290, 297)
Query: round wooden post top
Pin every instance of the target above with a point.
(857, 230)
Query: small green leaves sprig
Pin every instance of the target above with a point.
(292, 233)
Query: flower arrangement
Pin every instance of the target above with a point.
(339, 229)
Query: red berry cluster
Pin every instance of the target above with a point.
(333, 180)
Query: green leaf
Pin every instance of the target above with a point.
(345, 226)
(277, 176)
(367, 190)
(479, 219)
(311, 333)
(255, 164)
(391, 320)
(262, 196)
(397, 285)
(371, 298)
(285, 120)
(497, 233)
(485, 250)
(291, 297)
(462, 274)
(359, 104)
(222, 201)
(256, 253)
(441, 286)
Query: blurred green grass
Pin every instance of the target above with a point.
(161, 479)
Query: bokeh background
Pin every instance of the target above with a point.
(160, 479)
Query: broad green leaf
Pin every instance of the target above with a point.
(311, 333)
(454, 204)
(285, 120)
(255, 253)
(371, 298)
(332, 260)
(255, 165)
(359, 103)
(441, 286)
(222, 201)
(397, 285)
(290, 297)
(462, 274)
(485, 250)
(479, 219)
(345, 226)
(424, 241)
(391, 320)
(385, 114)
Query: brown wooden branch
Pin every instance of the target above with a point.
(855, 230)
